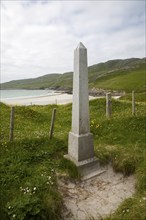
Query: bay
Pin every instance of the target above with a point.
(14, 94)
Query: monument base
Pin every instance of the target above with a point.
(81, 153)
(80, 147)
(87, 168)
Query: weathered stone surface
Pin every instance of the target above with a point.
(80, 146)
(80, 143)
(80, 110)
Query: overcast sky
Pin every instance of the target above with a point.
(39, 36)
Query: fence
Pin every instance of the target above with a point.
(108, 115)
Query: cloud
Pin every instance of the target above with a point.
(39, 37)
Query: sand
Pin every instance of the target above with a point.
(95, 198)
(58, 98)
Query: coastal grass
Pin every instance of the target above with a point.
(139, 97)
(31, 163)
(123, 80)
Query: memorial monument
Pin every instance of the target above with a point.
(80, 143)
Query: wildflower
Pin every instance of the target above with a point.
(97, 125)
(9, 207)
(49, 177)
(34, 188)
(48, 183)
(14, 216)
(123, 210)
(127, 210)
(144, 198)
(42, 174)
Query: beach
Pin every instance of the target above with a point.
(58, 98)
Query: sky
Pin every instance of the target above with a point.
(38, 37)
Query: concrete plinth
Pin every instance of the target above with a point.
(87, 168)
(80, 147)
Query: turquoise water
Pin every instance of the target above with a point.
(13, 94)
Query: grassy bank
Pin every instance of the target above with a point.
(139, 97)
(30, 164)
(124, 80)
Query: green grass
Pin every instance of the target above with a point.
(30, 164)
(139, 97)
(124, 80)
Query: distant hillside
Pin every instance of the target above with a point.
(119, 74)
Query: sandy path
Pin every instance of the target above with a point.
(96, 197)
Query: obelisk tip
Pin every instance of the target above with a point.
(81, 46)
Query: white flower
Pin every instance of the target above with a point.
(127, 210)
(9, 207)
(144, 198)
(34, 188)
(14, 216)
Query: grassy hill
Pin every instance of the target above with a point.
(126, 80)
(119, 74)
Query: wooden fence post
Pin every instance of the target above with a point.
(52, 122)
(133, 102)
(108, 105)
(12, 124)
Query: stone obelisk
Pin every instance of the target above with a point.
(80, 144)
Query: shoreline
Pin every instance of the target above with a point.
(57, 99)
(30, 97)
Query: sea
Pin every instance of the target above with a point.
(14, 94)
